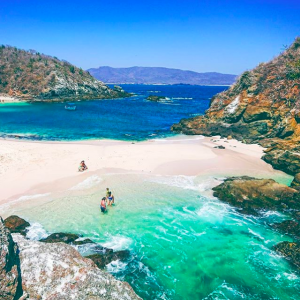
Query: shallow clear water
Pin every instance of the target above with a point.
(184, 243)
(133, 118)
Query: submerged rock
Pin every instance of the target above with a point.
(10, 277)
(58, 272)
(291, 251)
(250, 194)
(16, 224)
(289, 227)
(101, 260)
(67, 238)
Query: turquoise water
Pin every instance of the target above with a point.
(184, 243)
(133, 118)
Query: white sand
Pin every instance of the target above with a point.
(40, 167)
(4, 98)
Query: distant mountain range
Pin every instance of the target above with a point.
(158, 75)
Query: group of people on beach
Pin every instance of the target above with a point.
(109, 200)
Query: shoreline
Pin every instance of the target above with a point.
(40, 166)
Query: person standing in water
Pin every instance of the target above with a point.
(103, 205)
(110, 198)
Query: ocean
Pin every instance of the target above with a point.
(132, 118)
(184, 243)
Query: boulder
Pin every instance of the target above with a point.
(296, 182)
(16, 224)
(101, 260)
(291, 251)
(56, 271)
(10, 277)
(251, 194)
(289, 227)
(67, 238)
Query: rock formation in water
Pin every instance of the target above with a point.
(263, 107)
(16, 224)
(289, 227)
(155, 98)
(29, 75)
(10, 277)
(252, 195)
(58, 271)
(291, 251)
(54, 270)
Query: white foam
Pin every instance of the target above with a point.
(182, 98)
(87, 183)
(180, 181)
(209, 183)
(118, 243)
(116, 266)
(36, 232)
(22, 198)
(28, 197)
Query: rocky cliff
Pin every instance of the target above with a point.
(263, 107)
(10, 277)
(29, 75)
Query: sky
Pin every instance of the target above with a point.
(200, 35)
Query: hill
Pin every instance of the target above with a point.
(151, 75)
(263, 106)
(30, 75)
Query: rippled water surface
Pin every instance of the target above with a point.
(185, 244)
(133, 118)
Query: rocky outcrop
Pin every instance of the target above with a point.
(251, 195)
(291, 251)
(101, 260)
(58, 272)
(68, 238)
(289, 227)
(10, 277)
(263, 107)
(154, 98)
(32, 76)
(16, 224)
(296, 182)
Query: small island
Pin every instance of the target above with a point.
(155, 98)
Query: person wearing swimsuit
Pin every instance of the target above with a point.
(110, 198)
(103, 205)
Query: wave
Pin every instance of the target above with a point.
(182, 98)
(116, 266)
(28, 197)
(36, 232)
(87, 183)
(180, 181)
(118, 243)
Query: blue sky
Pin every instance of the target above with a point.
(205, 35)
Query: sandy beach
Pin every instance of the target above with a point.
(36, 167)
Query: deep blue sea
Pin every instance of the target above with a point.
(132, 118)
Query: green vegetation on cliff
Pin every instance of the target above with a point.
(30, 75)
(263, 107)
